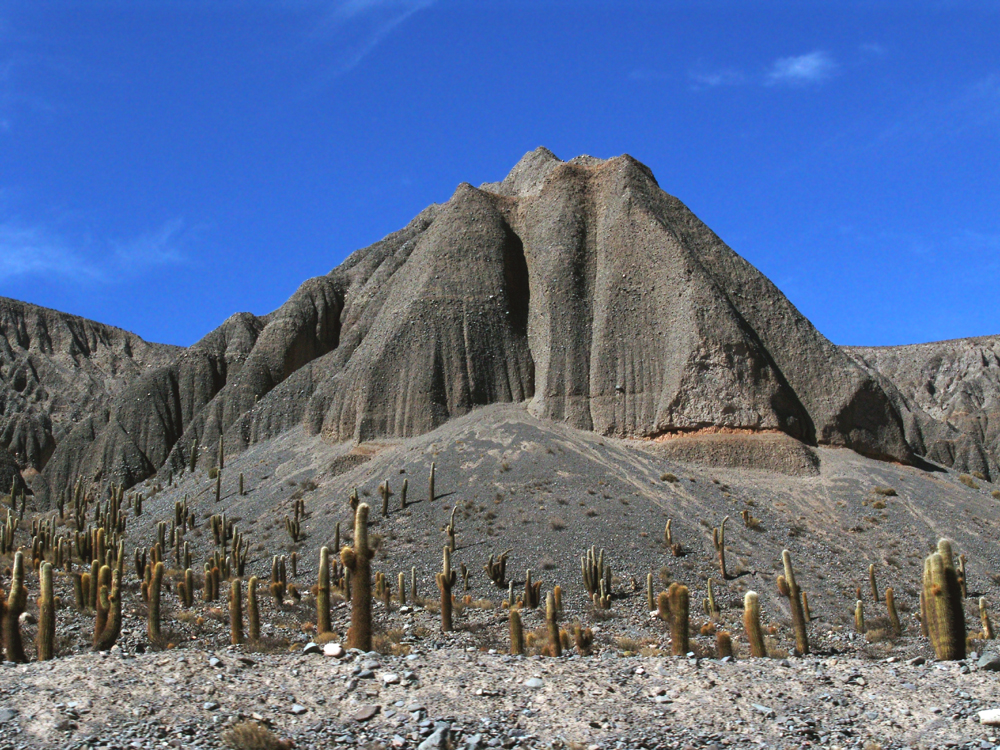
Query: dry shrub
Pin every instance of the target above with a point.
(323, 638)
(979, 475)
(628, 646)
(774, 651)
(388, 643)
(708, 628)
(995, 494)
(249, 735)
(884, 491)
(556, 523)
(879, 505)
(668, 477)
(968, 481)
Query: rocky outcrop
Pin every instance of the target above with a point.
(58, 369)
(579, 288)
(948, 393)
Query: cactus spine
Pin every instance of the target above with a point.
(943, 604)
(46, 615)
(679, 601)
(751, 622)
(445, 580)
(357, 560)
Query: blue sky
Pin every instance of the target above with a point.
(164, 164)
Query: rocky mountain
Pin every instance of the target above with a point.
(579, 288)
(949, 396)
(56, 370)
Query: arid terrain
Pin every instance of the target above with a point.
(580, 362)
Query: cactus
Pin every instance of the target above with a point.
(236, 611)
(719, 542)
(294, 529)
(961, 576)
(516, 633)
(532, 592)
(153, 618)
(890, 605)
(253, 612)
(402, 494)
(221, 461)
(788, 587)
(668, 536)
(103, 609)
(383, 490)
(111, 602)
(445, 580)
(859, 617)
(46, 615)
(193, 463)
(465, 577)
(241, 491)
(218, 486)
(401, 595)
(663, 606)
(430, 483)
(984, 618)
(871, 582)
(413, 584)
(650, 597)
(723, 644)
(943, 604)
(552, 624)
(357, 560)
(751, 623)
(497, 570)
(805, 607)
(188, 588)
(450, 528)
(583, 638)
(679, 601)
(712, 609)
(323, 592)
(78, 596)
(595, 572)
(17, 599)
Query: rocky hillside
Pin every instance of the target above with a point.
(949, 394)
(579, 287)
(57, 370)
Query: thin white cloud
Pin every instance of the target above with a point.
(716, 78)
(358, 27)
(802, 69)
(31, 251)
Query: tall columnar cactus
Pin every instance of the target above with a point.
(221, 460)
(552, 624)
(650, 596)
(17, 600)
(193, 462)
(236, 611)
(961, 576)
(497, 569)
(46, 615)
(430, 483)
(401, 582)
(871, 582)
(153, 618)
(103, 602)
(532, 592)
(445, 580)
(113, 602)
(805, 607)
(723, 644)
(943, 604)
(383, 490)
(323, 592)
(711, 608)
(751, 622)
(402, 493)
(859, 616)
(890, 606)
(719, 542)
(663, 606)
(516, 633)
(984, 618)
(583, 638)
(357, 560)
(789, 587)
(450, 528)
(413, 584)
(253, 612)
(242, 493)
(218, 486)
(679, 605)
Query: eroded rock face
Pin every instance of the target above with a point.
(57, 369)
(949, 395)
(579, 288)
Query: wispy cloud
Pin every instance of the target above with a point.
(715, 78)
(802, 69)
(358, 27)
(32, 251)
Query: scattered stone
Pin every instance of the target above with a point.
(533, 682)
(366, 712)
(210, 706)
(989, 662)
(312, 648)
(298, 710)
(334, 649)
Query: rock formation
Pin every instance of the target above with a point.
(579, 288)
